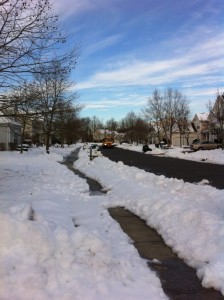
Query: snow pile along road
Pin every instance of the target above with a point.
(189, 217)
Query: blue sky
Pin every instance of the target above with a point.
(128, 48)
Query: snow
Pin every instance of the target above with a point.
(59, 242)
(214, 156)
(202, 116)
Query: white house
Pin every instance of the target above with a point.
(200, 124)
(10, 133)
(184, 139)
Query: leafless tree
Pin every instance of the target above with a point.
(165, 110)
(73, 129)
(135, 128)
(24, 101)
(111, 124)
(66, 122)
(27, 33)
(55, 96)
(129, 126)
(216, 117)
(154, 112)
(95, 123)
(141, 130)
(86, 131)
(29, 37)
(182, 119)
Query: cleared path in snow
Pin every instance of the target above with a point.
(189, 171)
(178, 280)
(94, 186)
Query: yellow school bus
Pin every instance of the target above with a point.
(107, 143)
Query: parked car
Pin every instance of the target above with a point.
(205, 145)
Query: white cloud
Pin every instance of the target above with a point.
(212, 92)
(102, 44)
(117, 102)
(72, 7)
(190, 58)
(203, 59)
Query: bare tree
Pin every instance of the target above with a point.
(154, 112)
(24, 101)
(95, 124)
(111, 124)
(73, 129)
(182, 119)
(130, 122)
(55, 98)
(165, 110)
(27, 33)
(216, 116)
(29, 37)
(135, 128)
(141, 130)
(66, 124)
(86, 132)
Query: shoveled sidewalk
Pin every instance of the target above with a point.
(178, 280)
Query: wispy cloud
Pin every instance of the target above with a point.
(132, 49)
(115, 103)
(69, 8)
(202, 59)
(102, 44)
(204, 92)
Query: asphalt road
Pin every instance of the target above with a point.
(187, 170)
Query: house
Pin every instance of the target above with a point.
(10, 133)
(201, 126)
(34, 131)
(216, 118)
(179, 138)
(185, 138)
(101, 134)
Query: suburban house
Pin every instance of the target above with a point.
(185, 138)
(216, 119)
(10, 133)
(201, 126)
(101, 134)
(34, 131)
(179, 139)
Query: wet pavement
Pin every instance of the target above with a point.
(179, 281)
(94, 186)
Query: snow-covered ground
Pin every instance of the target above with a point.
(57, 241)
(214, 156)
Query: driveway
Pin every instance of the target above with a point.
(189, 171)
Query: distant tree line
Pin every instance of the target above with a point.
(134, 128)
(163, 112)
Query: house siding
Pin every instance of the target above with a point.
(182, 141)
(10, 136)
